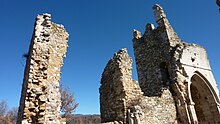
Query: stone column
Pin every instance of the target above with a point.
(192, 113)
(40, 98)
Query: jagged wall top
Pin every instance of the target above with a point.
(158, 12)
(44, 27)
(163, 31)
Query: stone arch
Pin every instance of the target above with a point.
(206, 101)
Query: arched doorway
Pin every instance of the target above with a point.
(205, 100)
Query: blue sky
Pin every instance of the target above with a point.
(97, 29)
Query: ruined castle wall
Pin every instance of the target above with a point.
(154, 53)
(159, 110)
(156, 67)
(40, 99)
(180, 71)
(152, 62)
(117, 88)
(174, 76)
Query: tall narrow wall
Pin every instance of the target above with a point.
(40, 97)
(153, 54)
(117, 90)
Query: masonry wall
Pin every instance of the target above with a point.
(169, 67)
(154, 53)
(175, 77)
(40, 97)
(117, 90)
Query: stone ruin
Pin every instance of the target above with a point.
(40, 97)
(176, 84)
(117, 77)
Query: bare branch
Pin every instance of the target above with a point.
(3, 107)
(68, 101)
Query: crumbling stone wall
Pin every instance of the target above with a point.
(174, 76)
(40, 97)
(166, 64)
(154, 53)
(118, 90)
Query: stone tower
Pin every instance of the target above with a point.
(40, 97)
(175, 77)
(165, 62)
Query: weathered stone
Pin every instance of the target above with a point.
(135, 115)
(117, 90)
(45, 58)
(175, 77)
